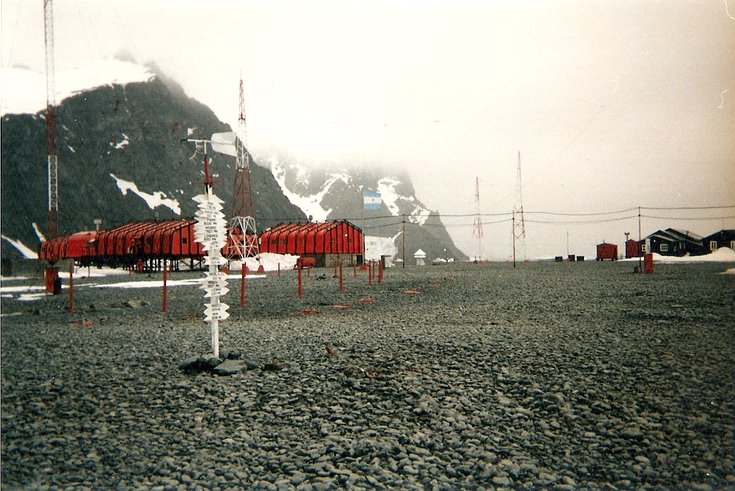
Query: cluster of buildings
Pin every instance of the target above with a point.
(670, 242)
(146, 245)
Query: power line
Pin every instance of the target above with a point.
(689, 218)
(508, 216)
(688, 208)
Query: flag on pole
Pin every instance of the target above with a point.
(371, 200)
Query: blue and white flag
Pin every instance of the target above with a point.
(371, 200)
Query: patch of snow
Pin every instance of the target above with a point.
(39, 234)
(24, 90)
(158, 198)
(721, 255)
(94, 272)
(31, 297)
(24, 250)
(122, 144)
(302, 175)
(376, 247)
(269, 261)
(21, 289)
(419, 215)
(391, 198)
(387, 190)
(311, 204)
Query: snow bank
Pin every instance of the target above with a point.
(269, 261)
(376, 247)
(721, 255)
(25, 251)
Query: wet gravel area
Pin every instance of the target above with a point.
(546, 376)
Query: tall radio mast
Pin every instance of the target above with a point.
(52, 137)
(519, 226)
(477, 231)
(243, 234)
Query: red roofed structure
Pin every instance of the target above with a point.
(142, 245)
(324, 242)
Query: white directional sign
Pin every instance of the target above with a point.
(218, 280)
(210, 230)
(216, 291)
(216, 312)
(215, 260)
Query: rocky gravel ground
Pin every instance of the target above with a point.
(547, 376)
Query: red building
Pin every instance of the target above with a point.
(607, 252)
(74, 246)
(631, 249)
(324, 242)
(141, 245)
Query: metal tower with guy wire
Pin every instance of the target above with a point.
(519, 224)
(243, 233)
(52, 136)
(477, 230)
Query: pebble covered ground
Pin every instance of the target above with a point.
(546, 376)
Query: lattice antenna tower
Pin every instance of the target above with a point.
(519, 223)
(52, 135)
(243, 233)
(477, 230)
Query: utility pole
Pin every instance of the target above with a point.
(403, 233)
(640, 246)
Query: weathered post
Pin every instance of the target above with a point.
(165, 289)
(71, 287)
(243, 272)
(300, 290)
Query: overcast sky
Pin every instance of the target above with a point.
(612, 104)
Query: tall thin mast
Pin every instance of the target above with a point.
(52, 137)
(477, 231)
(519, 226)
(243, 233)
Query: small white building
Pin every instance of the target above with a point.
(420, 257)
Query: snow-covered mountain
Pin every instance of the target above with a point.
(329, 191)
(121, 159)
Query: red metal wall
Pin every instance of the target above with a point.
(313, 238)
(174, 238)
(607, 252)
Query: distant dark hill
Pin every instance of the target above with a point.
(133, 132)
